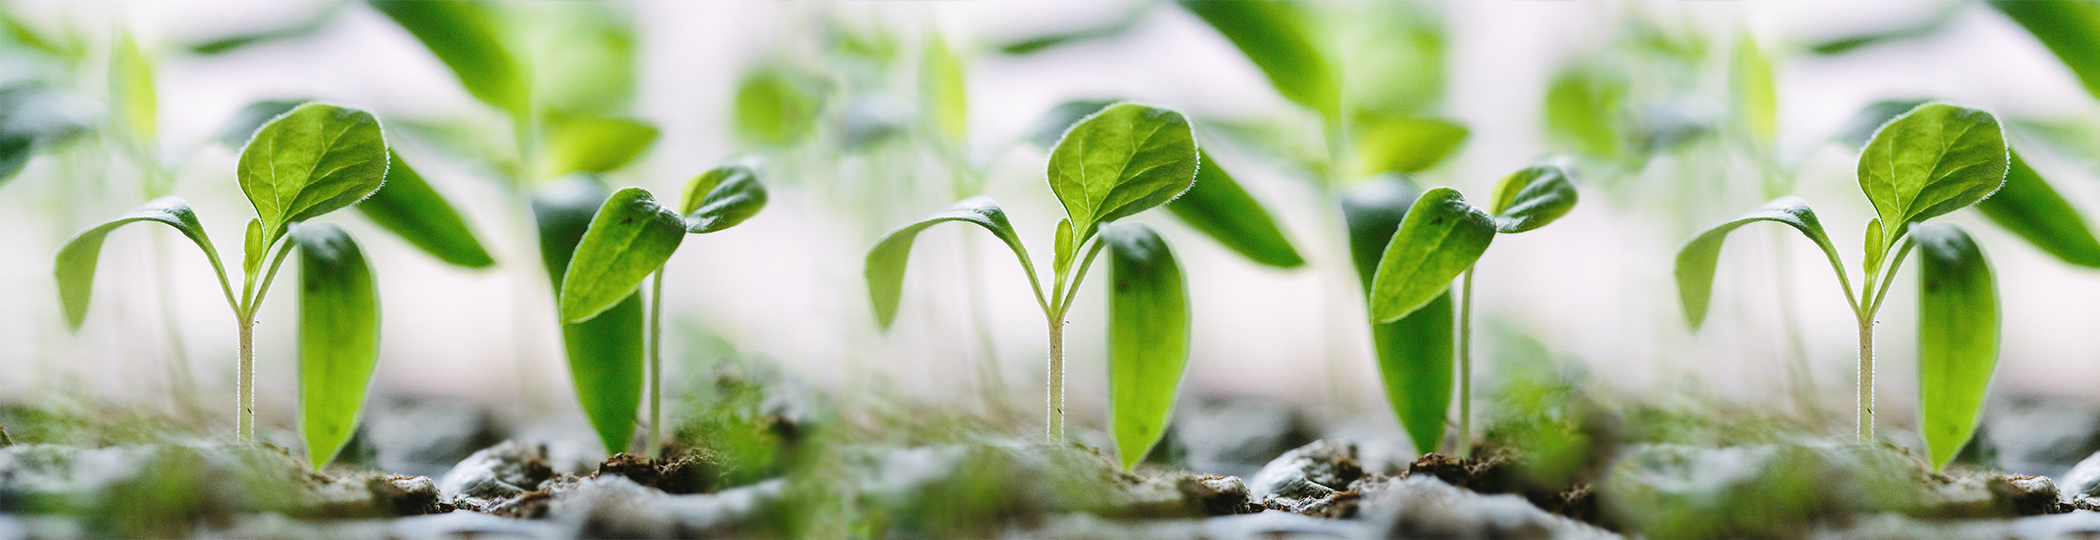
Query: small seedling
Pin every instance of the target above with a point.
(1122, 160)
(313, 160)
(1930, 161)
(631, 237)
(1440, 237)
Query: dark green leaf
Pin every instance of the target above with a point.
(468, 38)
(605, 353)
(1861, 127)
(721, 198)
(1533, 197)
(1277, 36)
(2029, 207)
(777, 108)
(1441, 237)
(887, 260)
(1405, 144)
(631, 237)
(1415, 353)
(77, 260)
(312, 161)
(338, 337)
(1957, 337)
(1696, 261)
(1122, 160)
(2069, 29)
(1148, 337)
(1220, 208)
(408, 207)
(1935, 159)
(1052, 126)
(597, 145)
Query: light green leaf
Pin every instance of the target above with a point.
(1584, 109)
(468, 38)
(312, 161)
(1696, 261)
(1441, 237)
(131, 90)
(631, 237)
(597, 145)
(77, 260)
(1958, 322)
(721, 198)
(1533, 197)
(582, 56)
(1933, 160)
(1415, 353)
(1277, 36)
(1221, 209)
(1148, 337)
(887, 260)
(941, 76)
(1405, 144)
(605, 353)
(255, 246)
(777, 108)
(1756, 96)
(338, 337)
(1122, 160)
(408, 207)
(2069, 29)
(2029, 207)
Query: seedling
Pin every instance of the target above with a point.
(1122, 160)
(313, 160)
(1440, 238)
(1935, 159)
(631, 238)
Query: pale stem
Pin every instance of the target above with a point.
(247, 378)
(1465, 368)
(1056, 405)
(656, 363)
(1866, 378)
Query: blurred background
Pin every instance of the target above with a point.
(844, 102)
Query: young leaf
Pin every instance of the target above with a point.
(77, 260)
(1415, 353)
(1697, 259)
(311, 161)
(597, 145)
(131, 87)
(2029, 207)
(605, 353)
(1933, 160)
(467, 37)
(1583, 107)
(338, 337)
(721, 198)
(776, 108)
(2069, 29)
(1441, 237)
(887, 260)
(1148, 337)
(1221, 209)
(1756, 98)
(941, 75)
(1533, 197)
(408, 207)
(1122, 160)
(1277, 37)
(1405, 144)
(631, 236)
(1958, 323)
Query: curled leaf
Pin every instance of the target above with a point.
(1533, 197)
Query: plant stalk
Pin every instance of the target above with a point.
(1465, 368)
(1866, 378)
(1056, 405)
(656, 363)
(247, 378)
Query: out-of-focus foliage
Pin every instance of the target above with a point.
(776, 107)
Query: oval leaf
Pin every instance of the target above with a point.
(408, 207)
(1415, 353)
(312, 161)
(1277, 36)
(631, 237)
(721, 198)
(597, 145)
(1441, 236)
(1121, 161)
(1148, 337)
(1533, 197)
(2029, 207)
(605, 353)
(78, 259)
(1958, 321)
(887, 260)
(467, 37)
(1933, 160)
(1697, 259)
(1221, 209)
(338, 337)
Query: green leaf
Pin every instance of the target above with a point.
(1221, 209)
(1958, 321)
(237, 130)
(131, 89)
(1148, 337)
(597, 145)
(631, 237)
(582, 56)
(777, 108)
(1053, 125)
(308, 27)
(468, 38)
(1122, 160)
(78, 259)
(312, 161)
(605, 353)
(1584, 108)
(2029, 207)
(1933, 160)
(1908, 31)
(721, 198)
(1696, 261)
(1277, 36)
(1533, 197)
(941, 76)
(338, 337)
(1862, 125)
(1756, 96)
(887, 260)
(1111, 29)
(408, 207)
(2069, 29)
(1441, 237)
(1405, 144)
(1415, 353)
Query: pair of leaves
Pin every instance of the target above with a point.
(1443, 235)
(1415, 353)
(632, 235)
